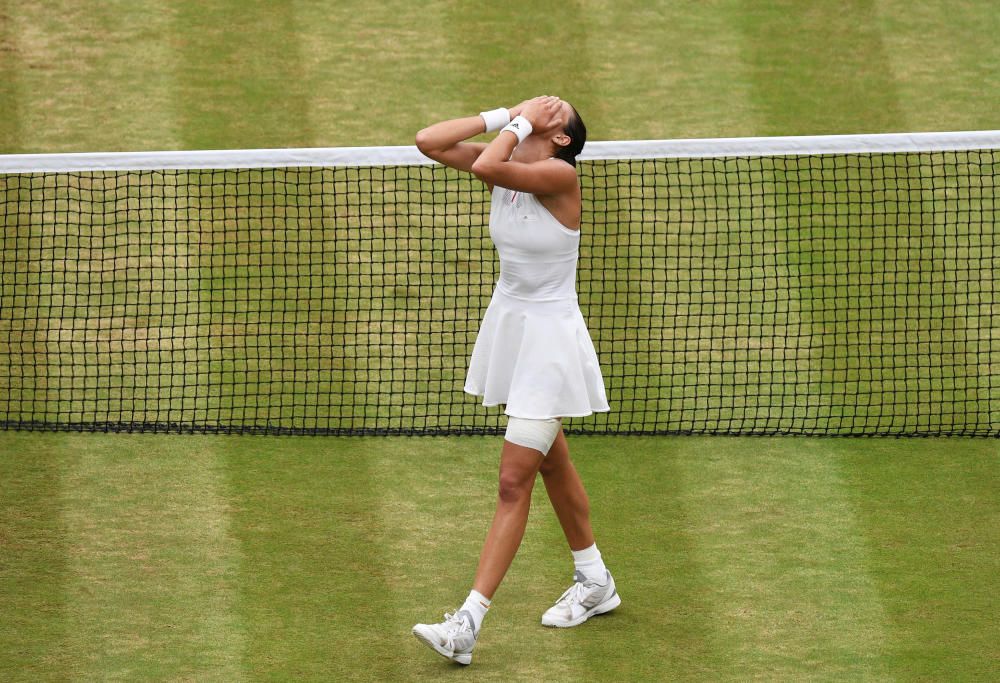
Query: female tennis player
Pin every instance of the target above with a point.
(533, 353)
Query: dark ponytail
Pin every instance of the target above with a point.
(577, 133)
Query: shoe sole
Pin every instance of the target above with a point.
(614, 601)
(463, 659)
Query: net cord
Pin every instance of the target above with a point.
(409, 155)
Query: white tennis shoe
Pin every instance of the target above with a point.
(453, 638)
(581, 601)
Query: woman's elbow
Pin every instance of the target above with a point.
(423, 141)
(482, 169)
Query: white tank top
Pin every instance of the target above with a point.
(538, 254)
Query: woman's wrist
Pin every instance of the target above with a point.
(520, 127)
(495, 119)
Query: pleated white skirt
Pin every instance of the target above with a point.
(537, 359)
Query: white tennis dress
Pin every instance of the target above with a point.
(533, 352)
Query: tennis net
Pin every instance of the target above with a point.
(835, 285)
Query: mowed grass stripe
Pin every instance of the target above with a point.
(153, 569)
(314, 587)
(32, 559)
(817, 68)
(375, 73)
(90, 77)
(784, 560)
(503, 57)
(10, 84)
(945, 62)
(661, 71)
(239, 78)
(930, 517)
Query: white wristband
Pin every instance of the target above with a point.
(520, 127)
(495, 119)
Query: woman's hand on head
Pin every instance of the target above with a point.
(542, 112)
(517, 108)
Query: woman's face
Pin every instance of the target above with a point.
(559, 123)
(565, 114)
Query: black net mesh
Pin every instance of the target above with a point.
(846, 294)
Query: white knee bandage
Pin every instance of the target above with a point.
(537, 434)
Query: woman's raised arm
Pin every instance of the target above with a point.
(445, 141)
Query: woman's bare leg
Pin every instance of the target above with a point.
(594, 590)
(518, 468)
(568, 497)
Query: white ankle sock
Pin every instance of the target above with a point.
(589, 563)
(477, 605)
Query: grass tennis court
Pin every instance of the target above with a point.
(173, 557)
(224, 558)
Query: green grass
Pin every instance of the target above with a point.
(234, 558)
(158, 75)
(216, 558)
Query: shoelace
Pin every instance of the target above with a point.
(574, 593)
(455, 623)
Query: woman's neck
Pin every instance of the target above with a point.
(532, 149)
